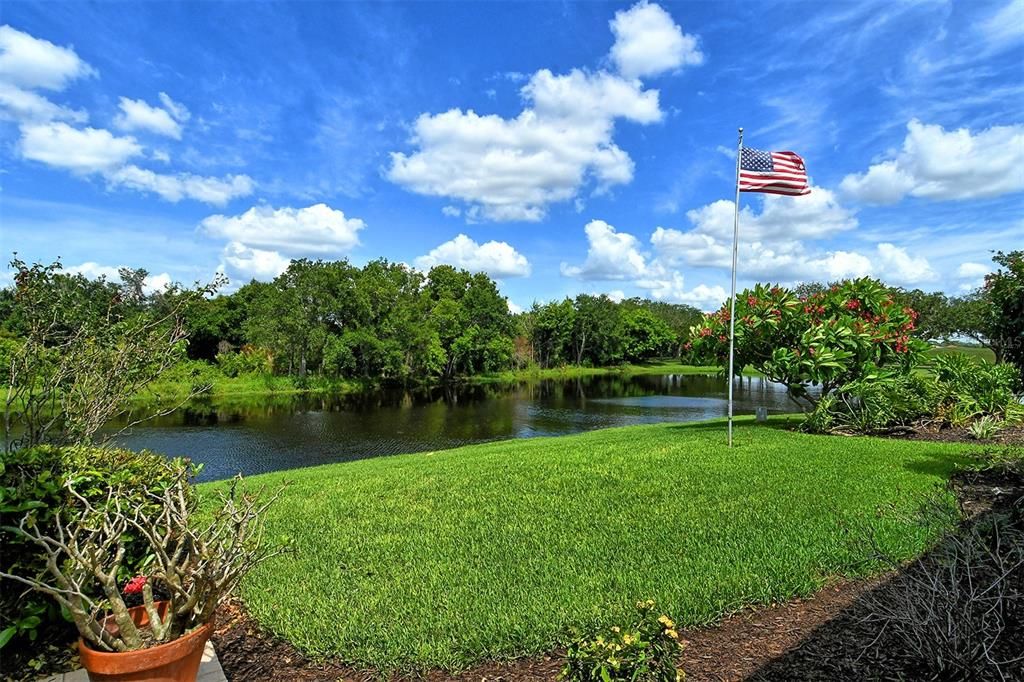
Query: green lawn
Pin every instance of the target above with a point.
(488, 551)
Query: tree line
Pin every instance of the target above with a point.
(383, 321)
(387, 322)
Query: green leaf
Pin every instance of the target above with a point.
(6, 635)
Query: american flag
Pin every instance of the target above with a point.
(772, 172)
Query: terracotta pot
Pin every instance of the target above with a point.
(176, 661)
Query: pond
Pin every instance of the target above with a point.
(272, 432)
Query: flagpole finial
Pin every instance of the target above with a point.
(741, 129)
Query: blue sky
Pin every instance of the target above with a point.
(560, 147)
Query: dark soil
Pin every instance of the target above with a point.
(1009, 435)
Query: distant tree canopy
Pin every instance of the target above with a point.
(387, 322)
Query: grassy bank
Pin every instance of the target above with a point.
(180, 380)
(573, 371)
(445, 558)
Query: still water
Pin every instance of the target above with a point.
(268, 433)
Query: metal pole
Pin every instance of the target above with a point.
(732, 299)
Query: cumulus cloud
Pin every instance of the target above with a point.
(138, 115)
(85, 150)
(26, 106)
(774, 243)
(497, 259)
(648, 42)
(560, 143)
(33, 63)
(241, 262)
(28, 64)
(611, 255)
(316, 229)
(263, 240)
(92, 270)
(178, 186)
(940, 165)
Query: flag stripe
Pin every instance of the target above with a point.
(773, 172)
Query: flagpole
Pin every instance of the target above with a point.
(732, 299)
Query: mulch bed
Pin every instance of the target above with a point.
(1009, 435)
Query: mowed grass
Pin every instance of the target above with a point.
(978, 352)
(447, 558)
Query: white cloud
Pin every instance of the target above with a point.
(242, 263)
(611, 255)
(33, 63)
(298, 232)
(26, 106)
(93, 270)
(616, 255)
(497, 259)
(648, 42)
(617, 295)
(972, 270)
(560, 143)
(138, 115)
(178, 186)
(1006, 26)
(28, 64)
(85, 150)
(943, 165)
(178, 110)
(451, 211)
(512, 169)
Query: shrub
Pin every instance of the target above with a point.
(249, 360)
(32, 482)
(971, 389)
(852, 331)
(645, 651)
(874, 404)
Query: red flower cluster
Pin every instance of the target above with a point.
(752, 301)
(853, 304)
(134, 585)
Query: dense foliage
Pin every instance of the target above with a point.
(596, 331)
(813, 343)
(32, 483)
(382, 322)
(1004, 290)
(958, 391)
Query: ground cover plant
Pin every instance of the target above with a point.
(495, 550)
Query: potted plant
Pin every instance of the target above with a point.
(196, 562)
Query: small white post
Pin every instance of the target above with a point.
(735, 252)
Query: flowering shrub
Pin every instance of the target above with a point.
(646, 651)
(853, 331)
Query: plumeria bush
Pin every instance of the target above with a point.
(814, 344)
(645, 651)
